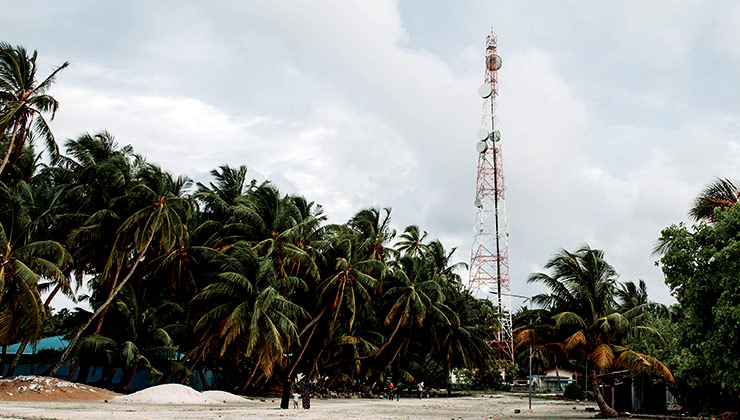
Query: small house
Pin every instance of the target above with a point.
(551, 380)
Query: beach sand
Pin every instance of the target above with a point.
(482, 407)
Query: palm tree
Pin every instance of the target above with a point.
(582, 290)
(412, 241)
(143, 336)
(460, 339)
(413, 293)
(375, 229)
(229, 190)
(276, 228)
(343, 292)
(159, 222)
(23, 102)
(24, 261)
(634, 298)
(722, 193)
(242, 309)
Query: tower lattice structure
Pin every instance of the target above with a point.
(489, 259)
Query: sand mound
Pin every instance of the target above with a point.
(43, 388)
(168, 394)
(224, 396)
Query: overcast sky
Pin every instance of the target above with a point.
(613, 114)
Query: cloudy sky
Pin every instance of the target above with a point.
(613, 114)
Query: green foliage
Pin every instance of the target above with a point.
(573, 391)
(229, 276)
(463, 379)
(701, 267)
(585, 324)
(23, 101)
(58, 323)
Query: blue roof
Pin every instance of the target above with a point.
(48, 343)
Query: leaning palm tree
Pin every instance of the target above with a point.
(722, 193)
(158, 224)
(582, 291)
(23, 101)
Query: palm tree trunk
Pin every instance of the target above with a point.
(395, 330)
(249, 381)
(10, 149)
(130, 379)
(398, 350)
(203, 380)
(100, 309)
(17, 358)
(84, 374)
(313, 322)
(108, 379)
(316, 362)
(2, 359)
(606, 411)
(73, 371)
(184, 359)
(51, 295)
(99, 324)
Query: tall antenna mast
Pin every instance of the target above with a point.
(489, 256)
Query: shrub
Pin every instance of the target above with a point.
(573, 391)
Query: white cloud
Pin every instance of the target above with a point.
(613, 116)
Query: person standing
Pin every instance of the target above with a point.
(296, 397)
(420, 387)
(306, 396)
(391, 391)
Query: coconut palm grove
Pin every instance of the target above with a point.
(231, 278)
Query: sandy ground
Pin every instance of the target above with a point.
(41, 388)
(500, 406)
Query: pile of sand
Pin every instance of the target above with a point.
(224, 396)
(178, 394)
(42, 388)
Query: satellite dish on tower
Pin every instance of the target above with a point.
(493, 62)
(496, 135)
(485, 90)
(478, 203)
(483, 135)
(481, 147)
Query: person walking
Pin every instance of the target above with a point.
(391, 391)
(420, 387)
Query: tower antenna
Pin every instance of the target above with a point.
(489, 256)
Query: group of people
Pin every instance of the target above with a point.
(302, 393)
(394, 391)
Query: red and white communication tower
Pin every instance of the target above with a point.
(489, 257)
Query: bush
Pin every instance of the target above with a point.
(573, 391)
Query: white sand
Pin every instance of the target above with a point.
(500, 406)
(225, 397)
(168, 394)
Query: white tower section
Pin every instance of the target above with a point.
(489, 258)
